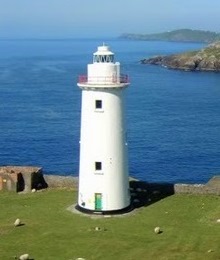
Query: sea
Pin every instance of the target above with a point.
(172, 116)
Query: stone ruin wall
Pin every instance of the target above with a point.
(33, 177)
(212, 187)
(21, 178)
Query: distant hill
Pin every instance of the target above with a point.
(207, 59)
(182, 35)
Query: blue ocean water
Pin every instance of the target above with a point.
(172, 116)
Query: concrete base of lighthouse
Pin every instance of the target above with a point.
(105, 212)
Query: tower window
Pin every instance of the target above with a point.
(98, 166)
(98, 104)
(103, 58)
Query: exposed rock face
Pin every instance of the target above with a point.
(207, 59)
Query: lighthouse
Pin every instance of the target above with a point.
(103, 165)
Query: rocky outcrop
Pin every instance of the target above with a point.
(207, 59)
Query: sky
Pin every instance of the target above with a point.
(98, 18)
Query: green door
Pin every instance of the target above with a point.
(98, 201)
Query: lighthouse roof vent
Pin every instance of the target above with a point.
(103, 55)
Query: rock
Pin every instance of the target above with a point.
(207, 59)
(157, 230)
(17, 222)
(157, 60)
(24, 257)
(97, 228)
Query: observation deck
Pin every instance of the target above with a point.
(103, 81)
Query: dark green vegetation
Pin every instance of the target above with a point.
(190, 229)
(182, 35)
(207, 59)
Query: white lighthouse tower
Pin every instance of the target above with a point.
(103, 168)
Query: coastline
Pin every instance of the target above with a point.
(206, 59)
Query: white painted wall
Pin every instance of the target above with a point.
(103, 138)
(103, 73)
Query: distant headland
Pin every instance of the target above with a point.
(181, 35)
(206, 59)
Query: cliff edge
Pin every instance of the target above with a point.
(207, 59)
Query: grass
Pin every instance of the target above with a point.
(213, 52)
(190, 230)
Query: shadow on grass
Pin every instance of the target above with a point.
(17, 258)
(144, 194)
(20, 225)
(38, 182)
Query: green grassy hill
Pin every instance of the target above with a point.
(50, 231)
(182, 35)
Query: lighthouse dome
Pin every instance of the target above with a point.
(103, 54)
(104, 72)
